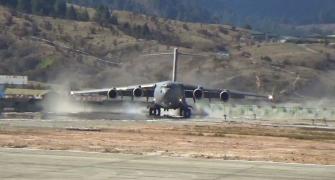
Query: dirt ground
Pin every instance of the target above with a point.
(222, 141)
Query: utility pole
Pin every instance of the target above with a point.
(175, 65)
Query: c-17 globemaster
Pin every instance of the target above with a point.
(170, 94)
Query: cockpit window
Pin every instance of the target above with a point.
(167, 86)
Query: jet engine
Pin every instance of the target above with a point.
(198, 94)
(112, 94)
(224, 96)
(138, 92)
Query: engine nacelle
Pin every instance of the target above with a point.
(112, 94)
(198, 93)
(138, 92)
(224, 96)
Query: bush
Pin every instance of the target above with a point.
(266, 58)
(205, 32)
(303, 63)
(8, 20)
(223, 30)
(287, 62)
(93, 30)
(322, 65)
(4, 42)
(186, 27)
(21, 31)
(47, 25)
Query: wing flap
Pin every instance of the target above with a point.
(215, 93)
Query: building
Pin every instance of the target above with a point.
(260, 36)
(13, 80)
(11, 93)
(6, 80)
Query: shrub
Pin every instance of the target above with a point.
(266, 58)
(287, 62)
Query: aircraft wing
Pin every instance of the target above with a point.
(216, 93)
(145, 90)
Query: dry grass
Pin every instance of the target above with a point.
(246, 142)
(292, 133)
(199, 38)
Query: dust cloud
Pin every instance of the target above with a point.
(61, 102)
(312, 110)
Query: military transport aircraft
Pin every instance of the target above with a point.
(170, 94)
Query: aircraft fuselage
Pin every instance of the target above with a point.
(170, 95)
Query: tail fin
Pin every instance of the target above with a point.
(175, 65)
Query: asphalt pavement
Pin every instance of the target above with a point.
(40, 164)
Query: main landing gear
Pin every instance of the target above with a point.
(155, 111)
(183, 112)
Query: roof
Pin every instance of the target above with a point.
(26, 92)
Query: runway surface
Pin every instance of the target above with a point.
(107, 119)
(38, 164)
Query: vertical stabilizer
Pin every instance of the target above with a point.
(175, 65)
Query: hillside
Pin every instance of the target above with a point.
(288, 69)
(265, 15)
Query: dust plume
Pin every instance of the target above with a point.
(309, 110)
(59, 100)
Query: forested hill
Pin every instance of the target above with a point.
(184, 10)
(54, 41)
(262, 14)
(277, 16)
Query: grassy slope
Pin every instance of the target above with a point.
(293, 67)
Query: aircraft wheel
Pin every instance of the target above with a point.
(152, 111)
(158, 111)
(186, 113)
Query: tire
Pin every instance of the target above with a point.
(158, 112)
(154, 112)
(186, 113)
(151, 111)
(181, 112)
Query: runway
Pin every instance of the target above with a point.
(39, 164)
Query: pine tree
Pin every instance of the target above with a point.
(48, 7)
(71, 13)
(60, 8)
(11, 3)
(37, 7)
(102, 15)
(114, 20)
(248, 26)
(84, 16)
(24, 5)
(145, 30)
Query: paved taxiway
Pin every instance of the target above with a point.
(38, 164)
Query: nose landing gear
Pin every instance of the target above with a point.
(185, 112)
